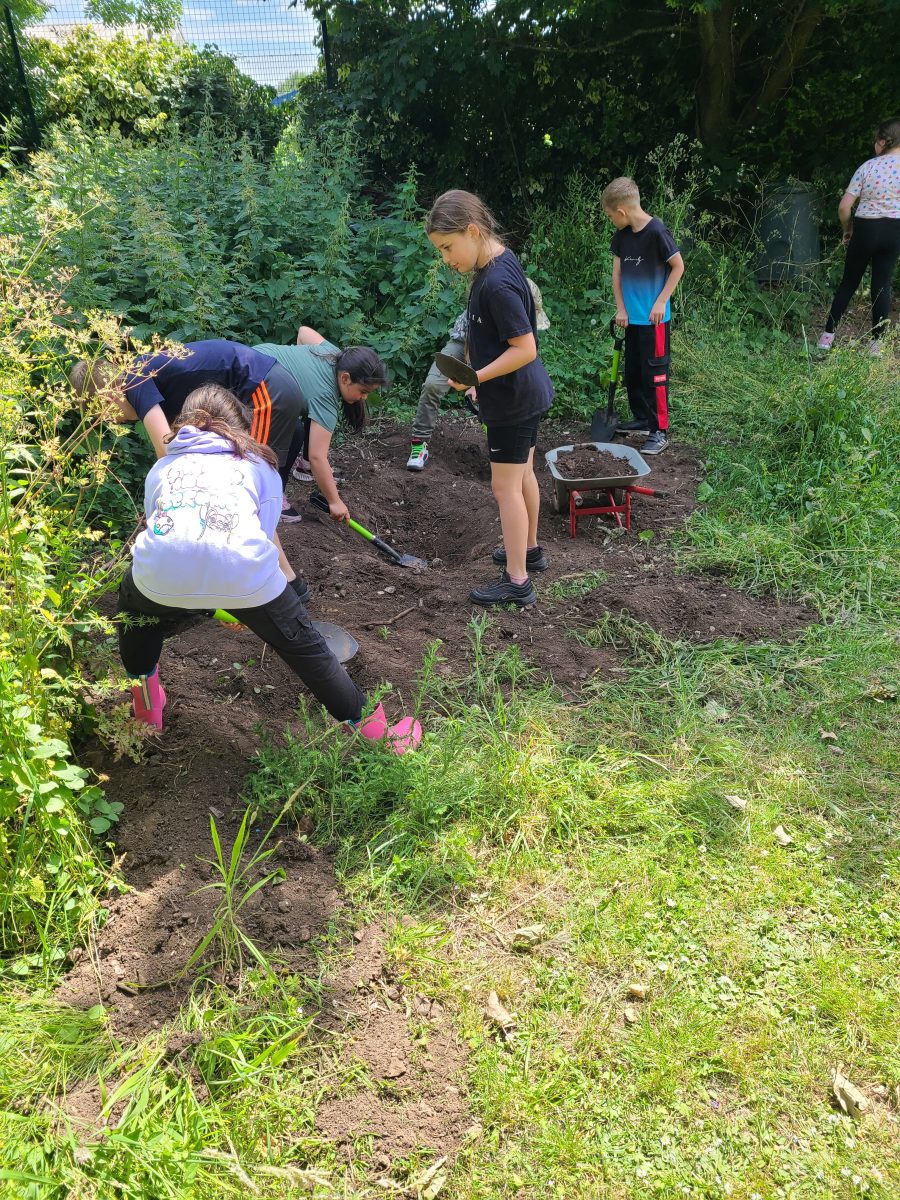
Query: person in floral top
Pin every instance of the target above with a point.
(872, 236)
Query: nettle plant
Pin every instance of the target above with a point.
(58, 554)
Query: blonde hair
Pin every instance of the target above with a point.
(620, 193)
(89, 378)
(455, 211)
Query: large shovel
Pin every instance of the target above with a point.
(402, 560)
(603, 424)
(343, 645)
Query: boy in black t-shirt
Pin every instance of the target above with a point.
(647, 266)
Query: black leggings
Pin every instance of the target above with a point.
(283, 624)
(875, 240)
(299, 445)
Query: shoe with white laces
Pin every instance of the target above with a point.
(418, 457)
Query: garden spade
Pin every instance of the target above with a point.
(460, 372)
(603, 425)
(343, 645)
(402, 560)
(456, 369)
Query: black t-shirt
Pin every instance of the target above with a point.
(501, 307)
(168, 381)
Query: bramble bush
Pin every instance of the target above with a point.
(57, 556)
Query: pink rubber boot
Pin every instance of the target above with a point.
(404, 736)
(148, 698)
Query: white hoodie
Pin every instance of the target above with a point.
(210, 520)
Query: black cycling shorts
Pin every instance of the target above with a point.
(512, 443)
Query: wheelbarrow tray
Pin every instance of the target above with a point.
(563, 485)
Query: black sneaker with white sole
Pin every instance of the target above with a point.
(534, 558)
(289, 514)
(632, 427)
(655, 443)
(504, 591)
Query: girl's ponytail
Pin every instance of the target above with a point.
(214, 409)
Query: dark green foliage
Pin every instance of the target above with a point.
(508, 100)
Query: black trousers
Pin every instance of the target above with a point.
(299, 445)
(875, 240)
(647, 357)
(283, 624)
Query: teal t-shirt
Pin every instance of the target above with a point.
(315, 374)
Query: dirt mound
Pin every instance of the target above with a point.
(447, 515)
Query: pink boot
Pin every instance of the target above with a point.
(148, 698)
(403, 736)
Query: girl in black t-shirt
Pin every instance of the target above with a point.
(514, 389)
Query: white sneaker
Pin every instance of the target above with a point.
(876, 349)
(825, 342)
(418, 457)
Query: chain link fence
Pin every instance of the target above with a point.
(272, 41)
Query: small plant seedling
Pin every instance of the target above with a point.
(236, 885)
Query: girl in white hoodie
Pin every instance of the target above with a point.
(212, 505)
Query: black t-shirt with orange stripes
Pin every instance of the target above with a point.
(168, 381)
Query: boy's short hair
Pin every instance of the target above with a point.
(620, 193)
(89, 378)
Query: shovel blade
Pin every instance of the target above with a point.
(603, 425)
(410, 560)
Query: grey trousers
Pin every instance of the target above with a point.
(434, 389)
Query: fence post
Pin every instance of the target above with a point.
(23, 78)
(326, 51)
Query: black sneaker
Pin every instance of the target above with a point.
(534, 558)
(632, 427)
(289, 514)
(301, 587)
(504, 591)
(655, 443)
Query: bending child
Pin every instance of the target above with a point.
(514, 389)
(332, 383)
(212, 503)
(647, 266)
(156, 386)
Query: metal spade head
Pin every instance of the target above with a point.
(343, 645)
(456, 369)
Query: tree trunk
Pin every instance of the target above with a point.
(715, 93)
(806, 19)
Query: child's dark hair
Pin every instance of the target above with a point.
(214, 409)
(889, 133)
(455, 211)
(364, 367)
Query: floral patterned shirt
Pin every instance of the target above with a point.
(877, 183)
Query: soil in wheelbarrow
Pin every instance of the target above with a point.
(585, 463)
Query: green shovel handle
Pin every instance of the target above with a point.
(360, 529)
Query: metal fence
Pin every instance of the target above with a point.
(270, 40)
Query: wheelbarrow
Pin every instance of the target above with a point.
(599, 496)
